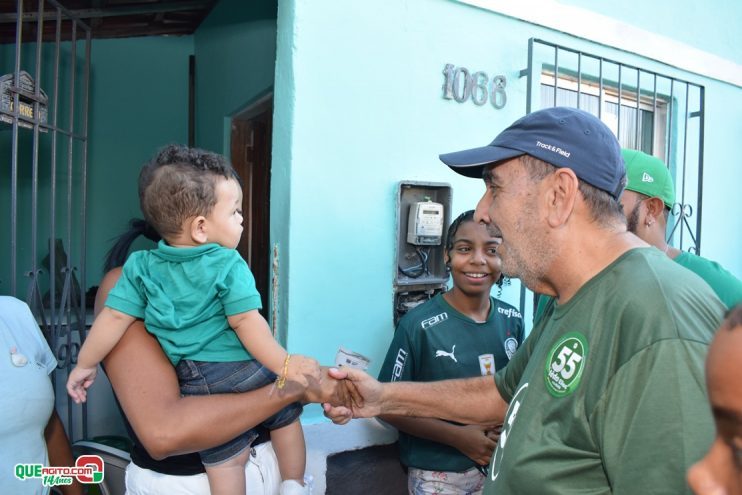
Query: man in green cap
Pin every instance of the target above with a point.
(647, 201)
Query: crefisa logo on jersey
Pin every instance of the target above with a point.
(510, 312)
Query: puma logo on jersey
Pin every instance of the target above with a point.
(433, 320)
(449, 354)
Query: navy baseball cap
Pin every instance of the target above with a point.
(562, 136)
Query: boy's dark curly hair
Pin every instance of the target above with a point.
(180, 183)
(174, 154)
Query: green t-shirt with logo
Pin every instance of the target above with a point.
(607, 394)
(184, 296)
(432, 342)
(727, 286)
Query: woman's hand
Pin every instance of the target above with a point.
(477, 442)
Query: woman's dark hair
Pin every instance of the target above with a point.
(468, 216)
(120, 249)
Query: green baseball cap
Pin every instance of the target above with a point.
(648, 175)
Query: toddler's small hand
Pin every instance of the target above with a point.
(301, 367)
(79, 382)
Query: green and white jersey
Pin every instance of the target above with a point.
(607, 394)
(435, 342)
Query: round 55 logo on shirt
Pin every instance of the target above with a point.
(562, 373)
(564, 364)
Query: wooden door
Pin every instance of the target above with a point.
(251, 158)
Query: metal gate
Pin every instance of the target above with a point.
(43, 151)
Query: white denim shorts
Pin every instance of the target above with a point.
(261, 472)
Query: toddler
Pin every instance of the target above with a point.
(197, 296)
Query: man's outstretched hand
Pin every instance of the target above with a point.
(366, 401)
(333, 391)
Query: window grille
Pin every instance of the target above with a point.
(44, 86)
(658, 114)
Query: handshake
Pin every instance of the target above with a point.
(345, 393)
(344, 390)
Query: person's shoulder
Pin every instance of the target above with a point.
(222, 256)
(138, 258)
(647, 269)
(17, 318)
(698, 263)
(111, 277)
(10, 303)
(505, 309)
(417, 316)
(656, 292)
(14, 310)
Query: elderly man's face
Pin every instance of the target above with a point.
(720, 471)
(509, 208)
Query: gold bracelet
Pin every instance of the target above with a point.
(281, 380)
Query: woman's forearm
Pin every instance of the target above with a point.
(60, 452)
(198, 422)
(166, 423)
(432, 429)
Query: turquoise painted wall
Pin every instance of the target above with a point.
(138, 103)
(235, 49)
(359, 108)
(711, 26)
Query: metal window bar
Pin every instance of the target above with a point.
(618, 113)
(64, 314)
(673, 151)
(579, 79)
(637, 120)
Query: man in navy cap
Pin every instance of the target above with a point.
(606, 395)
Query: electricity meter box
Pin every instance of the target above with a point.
(423, 215)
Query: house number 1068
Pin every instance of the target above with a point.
(460, 85)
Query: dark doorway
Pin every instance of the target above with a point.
(251, 158)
